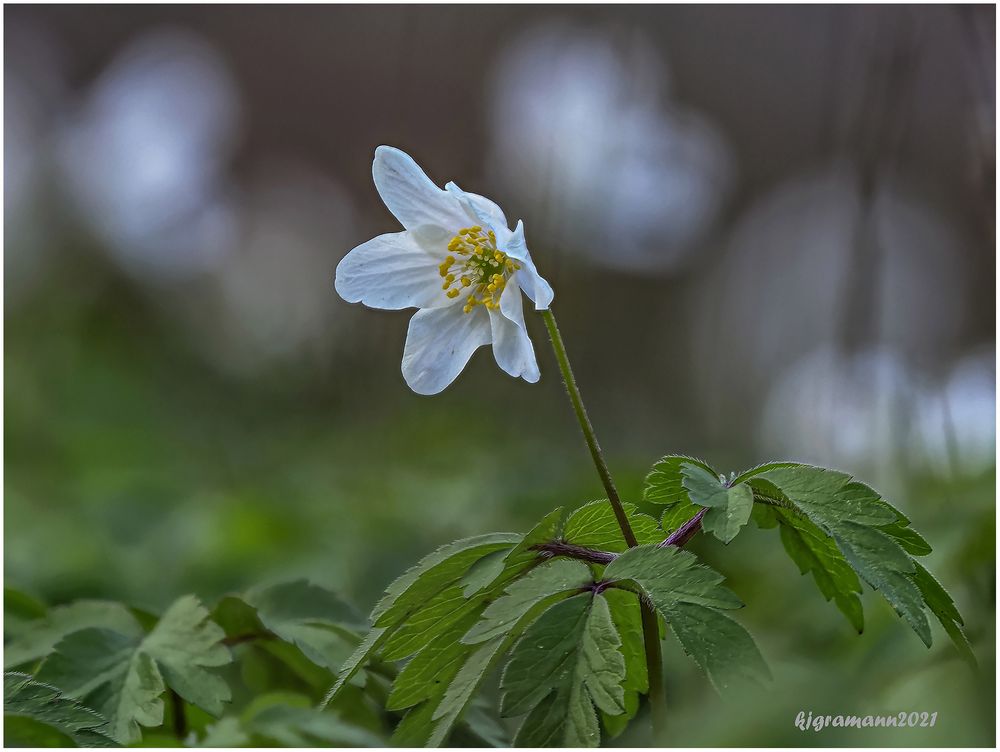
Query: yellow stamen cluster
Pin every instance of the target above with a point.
(481, 267)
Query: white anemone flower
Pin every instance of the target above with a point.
(458, 263)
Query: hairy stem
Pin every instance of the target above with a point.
(685, 532)
(650, 627)
(588, 430)
(678, 538)
(561, 548)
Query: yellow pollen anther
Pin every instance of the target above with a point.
(481, 267)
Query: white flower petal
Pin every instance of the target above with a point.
(480, 209)
(411, 196)
(483, 211)
(391, 271)
(439, 343)
(403, 270)
(511, 345)
(488, 214)
(534, 286)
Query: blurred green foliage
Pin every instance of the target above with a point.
(136, 472)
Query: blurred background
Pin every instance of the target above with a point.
(771, 235)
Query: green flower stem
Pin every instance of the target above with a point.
(180, 718)
(650, 626)
(588, 429)
(654, 671)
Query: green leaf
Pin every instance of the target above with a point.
(461, 689)
(38, 715)
(720, 645)
(829, 497)
(943, 607)
(523, 554)
(285, 719)
(416, 727)
(688, 595)
(600, 666)
(816, 553)
(19, 611)
(438, 683)
(685, 485)
(665, 484)
(478, 722)
(435, 571)
(430, 723)
(39, 637)
(291, 726)
(869, 532)
(238, 619)
(567, 663)
(704, 488)
(312, 618)
(184, 643)
(424, 602)
(421, 678)
(668, 575)
(307, 628)
(729, 507)
(594, 525)
(884, 565)
(484, 572)
(753, 472)
(911, 541)
(105, 670)
(517, 560)
(363, 704)
(627, 617)
(453, 686)
(426, 624)
(226, 732)
(543, 582)
(369, 646)
(125, 675)
(21, 731)
(545, 725)
(243, 626)
(422, 726)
